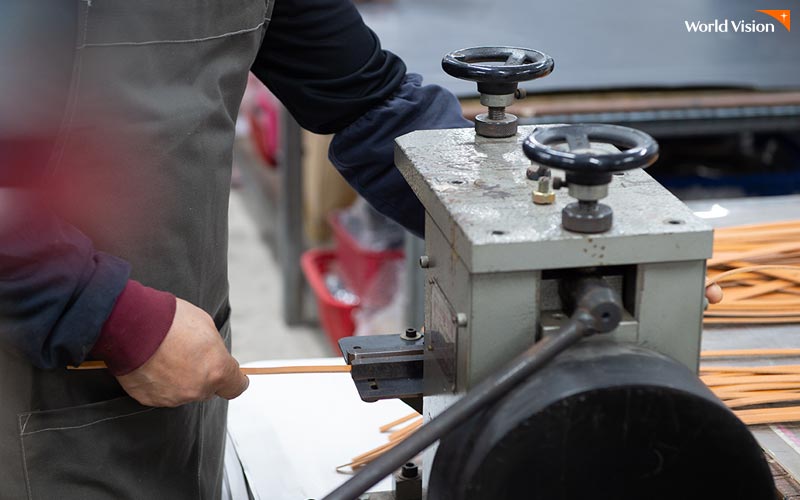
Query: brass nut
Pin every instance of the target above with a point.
(541, 198)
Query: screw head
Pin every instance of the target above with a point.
(424, 262)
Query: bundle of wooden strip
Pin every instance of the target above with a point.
(758, 267)
(766, 394)
(757, 395)
(396, 434)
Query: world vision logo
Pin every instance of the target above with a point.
(783, 17)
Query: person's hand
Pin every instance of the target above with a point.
(191, 364)
(714, 293)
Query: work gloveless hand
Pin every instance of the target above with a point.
(191, 364)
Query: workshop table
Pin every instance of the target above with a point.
(290, 432)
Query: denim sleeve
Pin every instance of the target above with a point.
(364, 151)
(56, 290)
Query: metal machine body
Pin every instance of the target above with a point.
(519, 271)
(494, 259)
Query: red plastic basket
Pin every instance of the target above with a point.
(358, 264)
(336, 317)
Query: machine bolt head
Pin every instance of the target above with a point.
(409, 470)
(411, 334)
(460, 319)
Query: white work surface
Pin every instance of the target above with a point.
(292, 431)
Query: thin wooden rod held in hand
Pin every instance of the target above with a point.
(247, 370)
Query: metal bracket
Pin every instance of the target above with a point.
(386, 366)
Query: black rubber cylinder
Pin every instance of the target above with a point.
(605, 420)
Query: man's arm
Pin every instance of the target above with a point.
(56, 291)
(328, 68)
(61, 301)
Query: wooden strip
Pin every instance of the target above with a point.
(750, 314)
(781, 397)
(247, 370)
(753, 369)
(755, 291)
(727, 396)
(759, 386)
(750, 321)
(764, 251)
(773, 273)
(401, 420)
(405, 431)
(736, 353)
(768, 415)
(732, 272)
(713, 381)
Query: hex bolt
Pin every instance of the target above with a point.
(410, 470)
(410, 334)
(424, 262)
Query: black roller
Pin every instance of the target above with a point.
(604, 421)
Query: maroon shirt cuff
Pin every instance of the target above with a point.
(140, 320)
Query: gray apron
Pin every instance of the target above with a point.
(143, 168)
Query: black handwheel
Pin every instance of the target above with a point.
(588, 166)
(588, 169)
(497, 69)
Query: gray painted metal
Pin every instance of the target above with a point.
(475, 189)
(489, 244)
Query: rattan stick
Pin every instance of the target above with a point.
(247, 370)
(392, 425)
(782, 397)
(754, 353)
(732, 272)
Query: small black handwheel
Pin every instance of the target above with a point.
(583, 164)
(497, 69)
(589, 167)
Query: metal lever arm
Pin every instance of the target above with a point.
(598, 310)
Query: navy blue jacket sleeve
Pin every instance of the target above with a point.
(329, 70)
(364, 151)
(56, 291)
